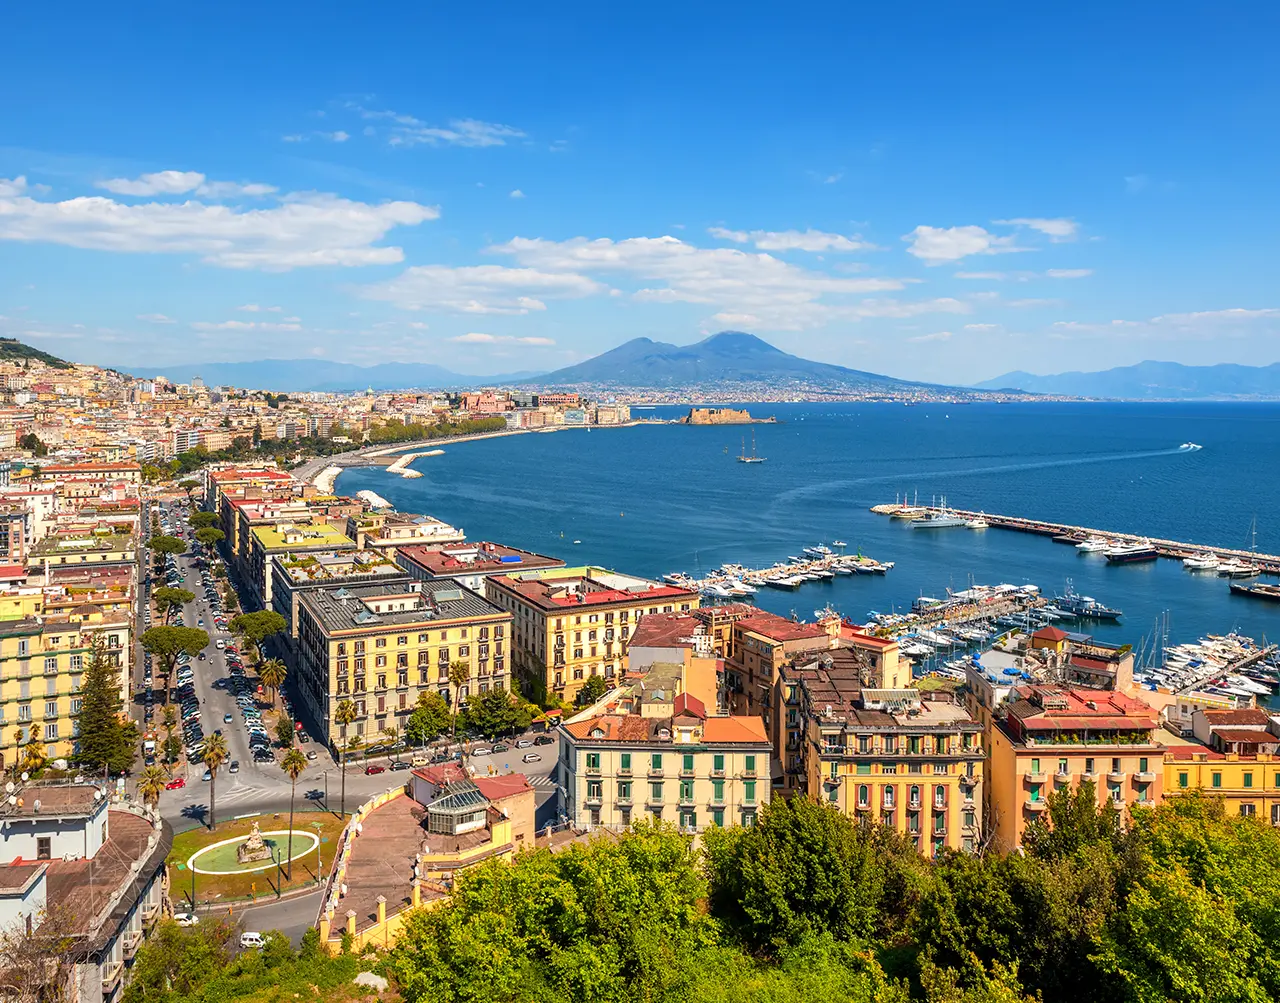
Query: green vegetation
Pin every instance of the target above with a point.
(592, 690)
(12, 350)
(170, 600)
(32, 444)
(397, 431)
(810, 905)
(107, 739)
(429, 720)
(197, 965)
(165, 644)
(497, 712)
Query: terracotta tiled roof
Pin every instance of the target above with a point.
(1242, 716)
(779, 628)
(738, 728)
(1049, 634)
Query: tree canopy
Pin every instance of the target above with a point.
(202, 520)
(497, 712)
(257, 626)
(430, 719)
(162, 544)
(107, 740)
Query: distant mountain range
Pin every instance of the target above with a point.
(727, 357)
(301, 375)
(1151, 381)
(730, 357)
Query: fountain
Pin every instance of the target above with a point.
(253, 848)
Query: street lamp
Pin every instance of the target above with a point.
(319, 857)
(279, 868)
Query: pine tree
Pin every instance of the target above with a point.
(106, 740)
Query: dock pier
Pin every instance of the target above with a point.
(1065, 533)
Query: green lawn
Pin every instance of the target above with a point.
(211, 888)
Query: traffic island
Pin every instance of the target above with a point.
(211, 868)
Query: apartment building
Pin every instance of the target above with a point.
(295, 574)
(1248, 785)
(761, 644)
(1049, 738)
(389, 531)
(468, 564)
(269, 541)
(573, 623)
(381, 645)
(912, 761)
(670, 761)
(98, 867)
(42, 660)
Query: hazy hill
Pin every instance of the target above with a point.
(727, 357)
(1152, 380)
(300, 375)
(12, 350)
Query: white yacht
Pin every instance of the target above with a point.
(979, 522)
(1093, 545)
(1206, 562)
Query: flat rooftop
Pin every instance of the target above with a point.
(334, 565)
(479, 558)
(291, 535)
(90, 544)
(55, 801)
(369, 606)
(381, 861)
(559, 589)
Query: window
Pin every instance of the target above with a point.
(749, 763)
(1182, 780)
(1217, 780)
(51, 732)
(686, 791)
(1035, 766)
(1088, 766)
(51, 664)
(749, 792)
(380, 642)
(624, 761)
(624, 790)
(1062, 766)
(51, 710)
(1114, 791)
(44, 848)
(1248, 779)
(655, 792)
(655, 762)
(864, 796)
(717, 791)
(717, 817)
(595, 790)
(717, 764)
(593, 760)
(1248, 810)
(687, 765)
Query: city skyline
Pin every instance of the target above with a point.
(529, 192)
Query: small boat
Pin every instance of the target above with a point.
(753, 458)
(1238, 569)
(838, 543)
(1093, 545)
(978, 523)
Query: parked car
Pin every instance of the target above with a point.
(251, 939)
(234, 767)
(373, 769)
(311, 754)
(482, 752)
(501, 747)
(186, 919)
(399, 764)
(176, 784)
(207, 776)
(531, 757)
(524, 743)
(544, 740)
(227, 719)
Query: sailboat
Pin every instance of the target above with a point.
(743, 457)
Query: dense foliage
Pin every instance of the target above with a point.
(1183, 905)
(107, 738)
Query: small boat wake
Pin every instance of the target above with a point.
(1189, 447)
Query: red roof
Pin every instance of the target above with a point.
(1250, 736)
(861, 637)
(1049, 634)
(779, 628)
(506, 786)
(688, 704)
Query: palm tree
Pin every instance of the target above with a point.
(272, 673)
(150, 784)
(459, 673)
(293, 764)
(17, 749)
(215, 754)
(343, 715)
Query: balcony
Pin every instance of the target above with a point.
(1116, 776)
(150, 911)
(131, 940)
(717, 773)
(111, 972)
(686, 773)
(596, 798)
(748, 774)
(655, 802)
(968, 781)
(716, 802)
(1144, 777)
(624, 771)
(1037, 777)
(656, 771)
(687, 800)
(1063, 775)
(593, 771)
(1035, 806)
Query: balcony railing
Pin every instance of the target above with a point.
(656, 771)
(1036, 806)
(111, 971)
(624, 771)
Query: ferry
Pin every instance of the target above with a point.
(1131, 553)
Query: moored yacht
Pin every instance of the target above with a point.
(1131, 553)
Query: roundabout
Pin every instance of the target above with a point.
(220, 858)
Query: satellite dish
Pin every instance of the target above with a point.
(97, 794)
(12, 800)
(9, 787)
(25, 776)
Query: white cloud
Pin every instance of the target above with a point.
(1134, 183)
(517, 194)
(182, 182)
(305, 229)
(937, 245)
(156, 318)
(12, 186)
(244, 325)
(1057, 230)
(1051, 273)
(936, 336)
(406, 130)
(293, 137)
(815, 241)
(480, 289)
(256, 308)
(983, 276)
(982, 327)
(1030, 303)
(1069, 273)
(776, 293)
(418, 325)
(336, 137)
(477, 338)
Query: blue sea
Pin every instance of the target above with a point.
(655, 499)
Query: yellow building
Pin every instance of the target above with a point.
(908, 760)
(574, 623)
(1249, 785)
(671, 762)
(56, 551)
(42, 660)
(381, 645)
(1052, 738)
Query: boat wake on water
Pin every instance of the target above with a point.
(811, 490)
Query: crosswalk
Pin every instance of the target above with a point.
(544, 781)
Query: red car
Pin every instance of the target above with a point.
(177, 783)
(372, 770)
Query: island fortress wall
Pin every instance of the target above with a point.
(718, 416)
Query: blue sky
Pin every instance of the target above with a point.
(936, 191)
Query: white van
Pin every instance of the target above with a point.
(250, 939)
(221, 644)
